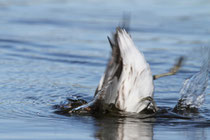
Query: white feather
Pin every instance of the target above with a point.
(135, 83)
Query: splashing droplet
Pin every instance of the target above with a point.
(193, 91)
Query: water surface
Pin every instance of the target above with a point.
(51, 50)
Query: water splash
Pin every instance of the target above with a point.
(193, 91)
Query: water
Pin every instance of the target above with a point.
(51, 50)
(193, 91)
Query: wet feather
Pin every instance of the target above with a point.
(127, 81)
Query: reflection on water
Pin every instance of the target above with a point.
(124, 129)
(149, 129)
(52, 50)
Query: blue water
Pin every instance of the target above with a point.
(51, 50)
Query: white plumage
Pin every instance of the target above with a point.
(127, 83)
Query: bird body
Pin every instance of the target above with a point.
(127, 82)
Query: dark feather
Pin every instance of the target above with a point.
(114, 66)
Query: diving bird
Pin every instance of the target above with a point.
(127, 84)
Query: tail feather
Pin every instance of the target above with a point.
(127, 79)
